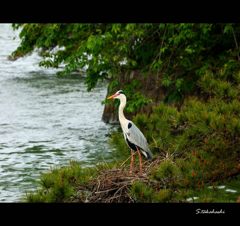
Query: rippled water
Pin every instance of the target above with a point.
(44, 121)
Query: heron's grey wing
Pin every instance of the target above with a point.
(136, 137)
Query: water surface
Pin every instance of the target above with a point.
(44, 121)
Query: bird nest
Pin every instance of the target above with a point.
(113, 185)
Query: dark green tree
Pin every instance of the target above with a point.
(176, 52)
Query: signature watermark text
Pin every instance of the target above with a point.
(212, 211)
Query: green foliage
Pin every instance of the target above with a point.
(166, 81)
(158, 126)
(167, 171)
(217, 87)
(216, 193)
(137, 101)
(177, 51)
(121, 151)
(60, 184)
(164, 195)
(142, 192)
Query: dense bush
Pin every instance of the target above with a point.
(61, 184)
(203, 136)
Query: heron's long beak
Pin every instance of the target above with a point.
(111, 97)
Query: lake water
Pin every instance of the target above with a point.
(44, 121)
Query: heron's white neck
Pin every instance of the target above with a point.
(120, 109)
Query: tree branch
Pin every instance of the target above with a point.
(236, 43)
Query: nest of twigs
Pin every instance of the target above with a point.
(113, 185)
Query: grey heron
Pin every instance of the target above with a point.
(132, 135)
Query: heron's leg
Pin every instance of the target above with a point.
(140, 160)
(132, 162)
